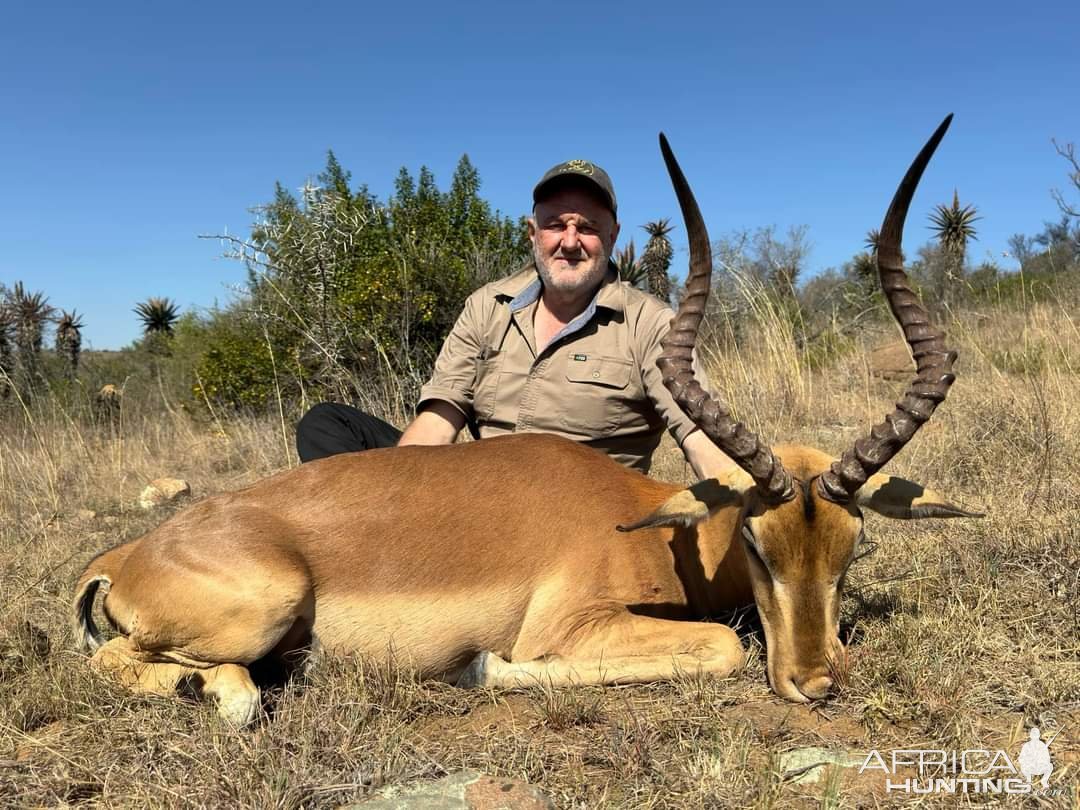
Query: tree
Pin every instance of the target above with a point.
(873, 239)
(349, 292)
(7, 355)
(69, 341)
(30, 313)
(631, 270)
(1068, 151)
(953, 226)
(778, 263)
(158, 315)
(761, 278)
(656, 259)
(862, 272)
(334, 178)
(1021, 248)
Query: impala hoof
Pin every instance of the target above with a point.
(240, 710)
(475, 673)
(817, 688)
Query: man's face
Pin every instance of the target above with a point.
(572, 234)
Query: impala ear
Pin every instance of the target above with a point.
(691, 506)
(899, 498)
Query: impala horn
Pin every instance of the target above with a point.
(712, 416)
(933, 361)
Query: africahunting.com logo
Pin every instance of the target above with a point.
(976, 770)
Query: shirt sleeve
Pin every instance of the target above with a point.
(454, 377)
(652, 329)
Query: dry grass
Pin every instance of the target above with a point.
(964, 632)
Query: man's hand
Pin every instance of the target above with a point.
(708, 460)
(439, 423)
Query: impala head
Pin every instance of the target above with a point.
(800, 521)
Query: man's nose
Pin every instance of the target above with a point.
(570, 242)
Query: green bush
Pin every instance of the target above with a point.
(344, 289)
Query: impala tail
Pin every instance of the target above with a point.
(98, 576)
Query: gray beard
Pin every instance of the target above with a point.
(587, 281)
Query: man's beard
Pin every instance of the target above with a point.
(575, 281)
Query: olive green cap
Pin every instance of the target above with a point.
(584, 170)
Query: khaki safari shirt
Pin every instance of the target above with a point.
(596, 381)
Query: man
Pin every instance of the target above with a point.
(560, 347)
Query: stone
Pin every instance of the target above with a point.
(892, 361)
(85, 515)
(164, 490)
(805, 766)
(465, 790)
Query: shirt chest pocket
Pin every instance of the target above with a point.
(596, 394)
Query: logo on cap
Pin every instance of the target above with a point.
(579, 166)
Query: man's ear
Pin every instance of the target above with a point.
(690, 506)
(614, 235)
(905, 500)
(530, 228)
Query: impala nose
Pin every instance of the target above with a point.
(817, 687)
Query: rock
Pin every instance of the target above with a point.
(466, 790)
(85, 515)
(807, 765)
(891, 361)
(164, 490)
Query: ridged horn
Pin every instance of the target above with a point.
(676, 361)
(933, 361)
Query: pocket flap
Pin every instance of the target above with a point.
(612, 372)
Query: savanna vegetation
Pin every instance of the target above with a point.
(963, 633)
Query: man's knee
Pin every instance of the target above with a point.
(325, 430)
(330, 428)
(323, 414)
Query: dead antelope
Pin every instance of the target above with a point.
(501, 562)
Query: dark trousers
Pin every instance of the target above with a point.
(330, 428)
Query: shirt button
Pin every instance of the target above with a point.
(596, 374)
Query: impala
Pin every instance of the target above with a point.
(506, 561)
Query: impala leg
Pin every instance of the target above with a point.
(629, 649)
(119, 658)
(233, 692)
(228, 685)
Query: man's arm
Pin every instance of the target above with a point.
(439, 423)
(708, 460)
(446, 401)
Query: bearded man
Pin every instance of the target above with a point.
(562, 346)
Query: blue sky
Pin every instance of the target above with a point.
(128, 130)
